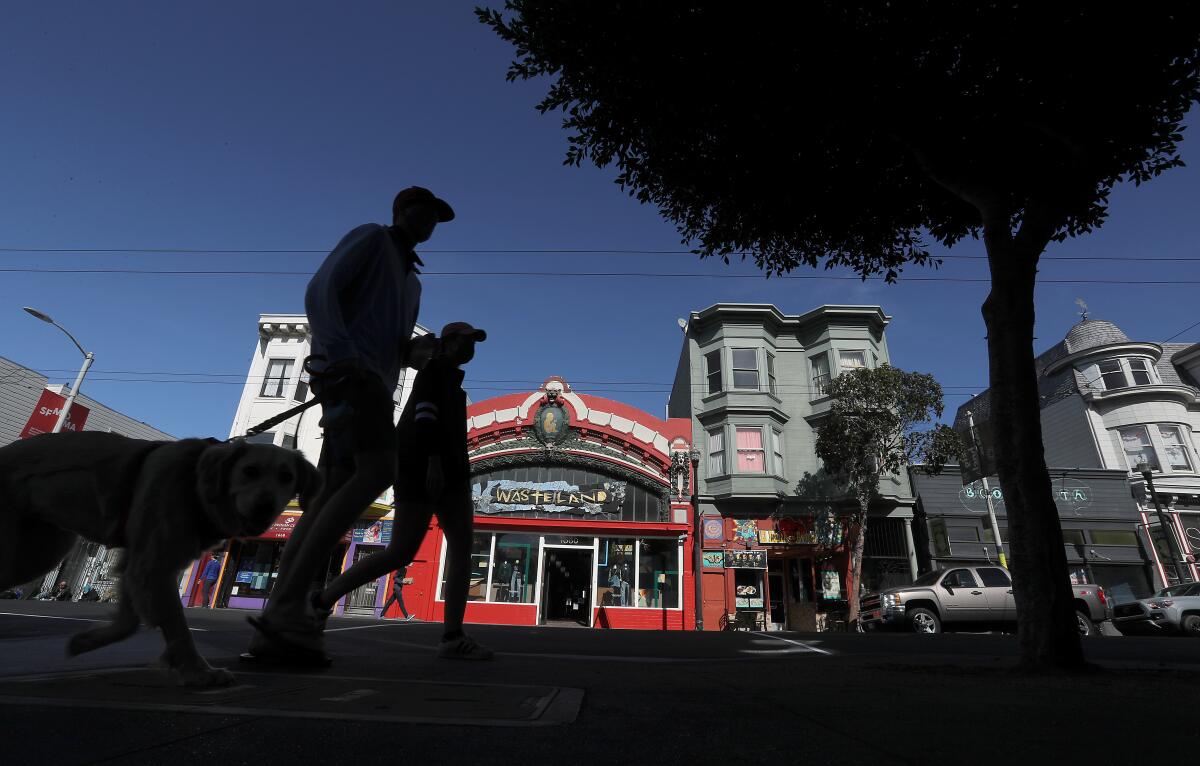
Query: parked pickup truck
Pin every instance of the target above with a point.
(1174, 610)
(967, 596)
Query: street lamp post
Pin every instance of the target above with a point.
(1169, 534)
(88, 358)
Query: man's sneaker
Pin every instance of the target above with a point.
(464, 648)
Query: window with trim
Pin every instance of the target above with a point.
(712, 370)
(1135, 440)
(771, 373)
(716, 453)
(1112, 372)
(777, 451)
(745, 368)
(751, 457)
(1122, 372)
(1174, 448)
(1163, 446)
(851, 360)
(278, 373)
(1113, 537)
(1140, 372)
(820, 374)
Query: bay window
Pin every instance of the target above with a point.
(1113, 374)
(751, 458)
(1156, 444)
(1175, 449)
(716, 452)
(852, 360)
(712, 369)
(745, 368)
(820, 375)
(1135, 440)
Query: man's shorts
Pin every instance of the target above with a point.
(368, 429)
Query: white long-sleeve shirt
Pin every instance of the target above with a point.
(363, 301)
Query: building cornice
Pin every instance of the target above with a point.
(777, 322)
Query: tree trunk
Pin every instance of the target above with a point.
(1047, 630)
(856, 558)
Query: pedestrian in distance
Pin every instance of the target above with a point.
(361, 307)
(212, 572)
(397, 596)
(434, 478)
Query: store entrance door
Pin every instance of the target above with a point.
(567, 587)
(363, 599)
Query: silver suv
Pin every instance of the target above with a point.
(964, 596)
(1172, 610)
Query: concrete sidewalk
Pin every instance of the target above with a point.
(591, 696)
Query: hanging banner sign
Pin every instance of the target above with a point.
(46, 412)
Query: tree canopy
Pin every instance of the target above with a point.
(849, 134)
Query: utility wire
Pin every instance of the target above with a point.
(599, 274)
(560, 251)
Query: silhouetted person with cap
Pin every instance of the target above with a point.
(434, 478)
(362, 307)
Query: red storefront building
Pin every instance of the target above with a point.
(583, 511)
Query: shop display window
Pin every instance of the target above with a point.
(658, 574)
(515, 571)
(616, 573)
(257, 568)
(481, 550)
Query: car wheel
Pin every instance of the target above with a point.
(924, 621)
(1191, 625)
(1086, 626)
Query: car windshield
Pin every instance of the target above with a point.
(929, 578)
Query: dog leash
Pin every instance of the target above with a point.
(275, 420)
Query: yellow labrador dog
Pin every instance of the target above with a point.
(163, 502)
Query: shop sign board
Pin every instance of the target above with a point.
(373, 532)
(505, 496)
(714, 559)
(714, 530)
(281, 528)
(745, 530)
(750, 559)
(1070, 495)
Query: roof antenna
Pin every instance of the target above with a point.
(1083, 309)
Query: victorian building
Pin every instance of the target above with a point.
(752, 381)
(1112, 404)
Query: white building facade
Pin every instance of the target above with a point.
(276, 382)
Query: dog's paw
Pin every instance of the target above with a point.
(82, 642)
(203, 676)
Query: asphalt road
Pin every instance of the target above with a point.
(583, 696)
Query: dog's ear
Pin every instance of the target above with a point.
(308, 481)
(212, 471)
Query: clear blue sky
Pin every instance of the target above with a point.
(272, 125)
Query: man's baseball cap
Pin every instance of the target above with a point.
(462, 328)
(415, 194)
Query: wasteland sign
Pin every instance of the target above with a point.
(505, 496)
